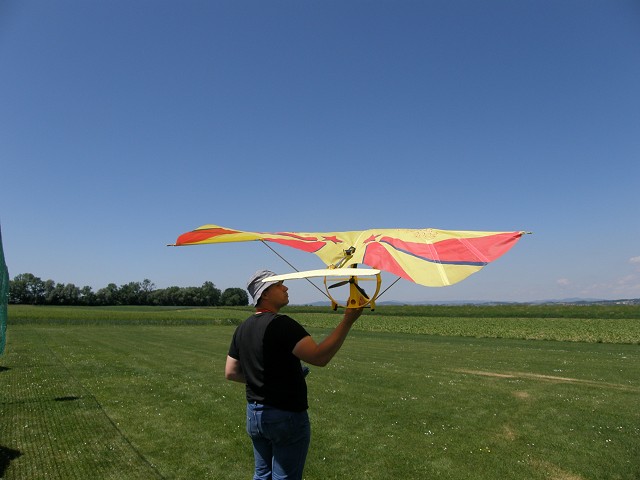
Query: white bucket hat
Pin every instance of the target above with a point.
(256, 286)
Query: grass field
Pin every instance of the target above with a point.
(415, 393)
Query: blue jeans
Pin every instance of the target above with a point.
(280, 442)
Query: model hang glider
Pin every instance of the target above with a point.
(429, 257)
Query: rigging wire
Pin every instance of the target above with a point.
(394, 282)
(287, 262)
(308, 280)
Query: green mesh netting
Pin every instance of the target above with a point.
(4, 297)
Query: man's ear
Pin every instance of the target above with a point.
(266, 292)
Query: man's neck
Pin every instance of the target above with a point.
(263, 308)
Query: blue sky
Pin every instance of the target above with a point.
(126, 123)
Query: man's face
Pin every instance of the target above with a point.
(276, 295)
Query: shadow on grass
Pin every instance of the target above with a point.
(6, 455)
(66, 399)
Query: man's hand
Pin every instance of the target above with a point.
(351, 314)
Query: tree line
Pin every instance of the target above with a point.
(28, 289)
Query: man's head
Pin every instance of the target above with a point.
(257, 288)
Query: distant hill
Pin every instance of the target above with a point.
(565, 301)
(578, 301)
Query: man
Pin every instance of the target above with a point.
(265, 354)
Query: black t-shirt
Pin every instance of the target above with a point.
(263, 344)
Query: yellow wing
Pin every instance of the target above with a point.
(429, 256)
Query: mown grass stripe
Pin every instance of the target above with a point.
(61, 439)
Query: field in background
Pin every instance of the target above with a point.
(593, 323)
(416, 392)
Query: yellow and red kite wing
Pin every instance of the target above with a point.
(432, 257)
(329, 247)
(429, 257)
